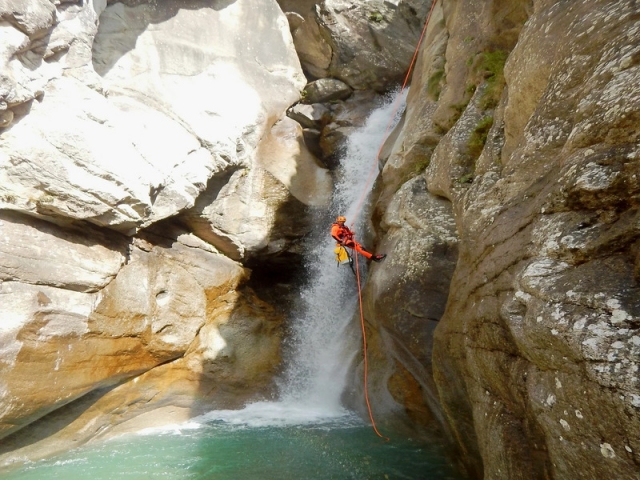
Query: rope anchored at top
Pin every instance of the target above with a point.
(359, 207)
(374, 164)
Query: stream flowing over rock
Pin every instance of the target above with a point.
(162, 161)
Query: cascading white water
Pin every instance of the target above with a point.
(322, 353)
(319, 350)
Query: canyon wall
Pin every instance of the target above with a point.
(521, 141)
(154, 193)
(145, 162)
(161, 161)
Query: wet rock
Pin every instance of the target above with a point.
(326, 90)
(309, 116)
(405, 298)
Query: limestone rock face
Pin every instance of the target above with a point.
(326, 90)
(181, 105)
(405, 297)
(175, 303)
(367, 45)
(120, 124)
(536, 355)
(261, 211)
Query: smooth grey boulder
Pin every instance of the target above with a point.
(326, 90)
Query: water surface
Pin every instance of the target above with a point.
(225, 448)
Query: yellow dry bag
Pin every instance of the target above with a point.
(342, 256)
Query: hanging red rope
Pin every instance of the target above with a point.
(364, 349)
(374, 165)
(359, 207)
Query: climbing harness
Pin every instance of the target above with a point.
(359, 207)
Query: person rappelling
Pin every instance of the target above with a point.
(345, 238)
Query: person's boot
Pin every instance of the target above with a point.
(379, 257)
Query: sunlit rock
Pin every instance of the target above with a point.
(262, 210)
(405, 298)
(326, 90)
(169, 109)
(364, 44)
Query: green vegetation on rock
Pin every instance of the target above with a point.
(434, 86)
(478, 137)
(491, 67)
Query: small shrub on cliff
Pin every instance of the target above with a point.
(422, 165)
(434, 86)
(376, 17)
(491, 67)
(458, 109)
(468, 178)
(479, 136)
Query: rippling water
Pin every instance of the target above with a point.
(236, 446)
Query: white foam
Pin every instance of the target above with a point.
(172, 429)
(277, 414)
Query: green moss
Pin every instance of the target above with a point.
(434, 86)
(478, 137)
(471, 89)
(468, 39)
(468, 178)
(376, 17)
(491, 67)
(439, 129)
(458, 109)
(422, 165)
(492, 63)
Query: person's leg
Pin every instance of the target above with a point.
(360, 249)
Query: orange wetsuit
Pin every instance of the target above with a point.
(344, 236)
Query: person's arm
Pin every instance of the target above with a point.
(336, 233)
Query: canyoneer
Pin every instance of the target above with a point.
(345, 238)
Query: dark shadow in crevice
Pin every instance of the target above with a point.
(53, 423)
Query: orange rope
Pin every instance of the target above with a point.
(364, 349)
(393, 115)
(359, 207)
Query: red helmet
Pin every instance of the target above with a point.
(341, 219)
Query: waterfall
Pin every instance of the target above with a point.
(319, 352)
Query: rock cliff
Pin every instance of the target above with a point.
(522, 126)
(145, 161)
(154, 153)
